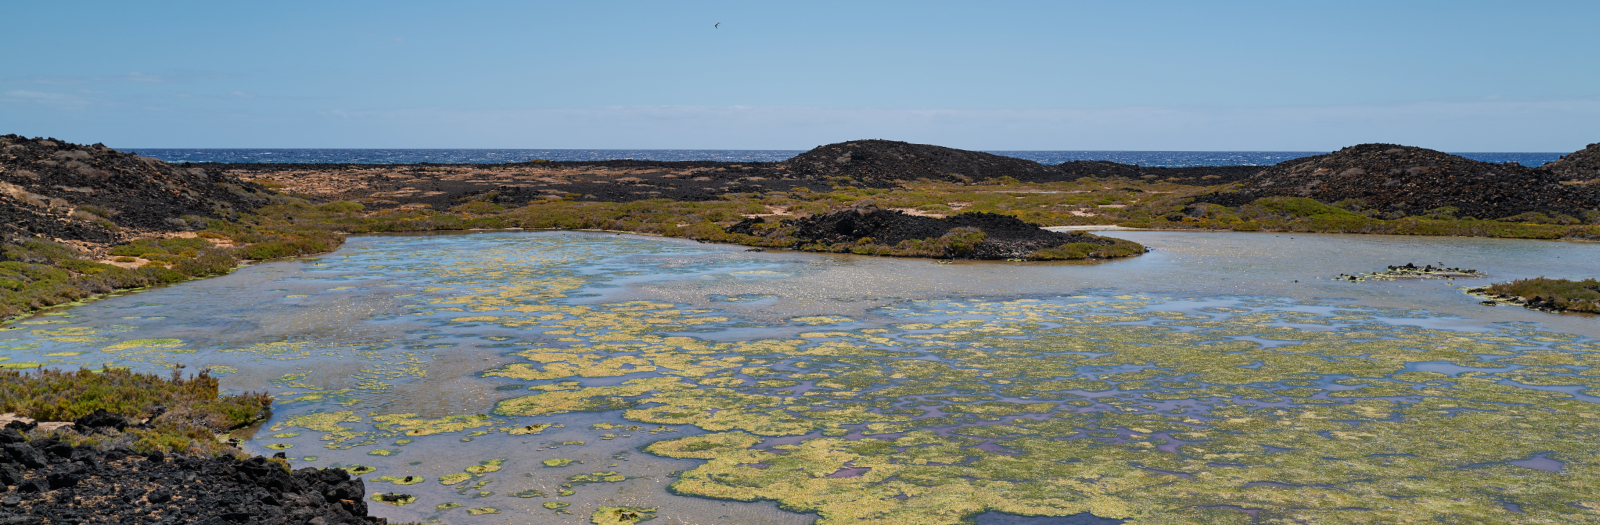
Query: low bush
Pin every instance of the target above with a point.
(185, 415)
(1556, 294)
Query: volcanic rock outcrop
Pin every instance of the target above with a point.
(886, 161)
(964, 236)
(1403, 181)
(54, 189)
(1579, 166)
(44, 480)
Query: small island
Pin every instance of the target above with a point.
(1552, 295)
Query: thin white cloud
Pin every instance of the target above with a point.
(56, 100)
(168, 77)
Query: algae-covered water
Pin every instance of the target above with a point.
(596, 378)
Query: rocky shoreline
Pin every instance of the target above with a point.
(1543, 294)
(47, 480)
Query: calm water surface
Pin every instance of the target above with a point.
(441, 358)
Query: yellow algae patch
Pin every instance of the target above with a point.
(330, 422)
(276, 348)
(393, 499)
(411, 425)
(485, 467)
(562, 365)
(556, 463)
(622, 515)
(536, 428)
(152, 344)
(706, 446)
(590, 399)
(609, 476)
(321, 422)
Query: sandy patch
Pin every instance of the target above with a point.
(919, 213)
(45, 425)
(772, 211)
(137, 262)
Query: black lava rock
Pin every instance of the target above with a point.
(135, 488)
(55, 189)
(1582, 165)
(1405, 181)
(1005, 236)
(871, 161)
(100, 419)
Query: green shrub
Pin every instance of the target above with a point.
(961, 241)
(1303, 207)
(84, 267)
(283, 248)
(480, 208)
(341, 207)
(191, 409)
(1563, 294)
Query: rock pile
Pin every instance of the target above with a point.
(44, 480)
(54, 189)
(1581, 165)
(1002, 236)
(1407, 181)
(882, 162)
(1194, 175)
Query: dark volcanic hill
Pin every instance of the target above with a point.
(1193, 175)
(54, 189)
(884, 161)
(1405, 180)
(1581, 165)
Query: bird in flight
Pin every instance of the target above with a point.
(718, 25)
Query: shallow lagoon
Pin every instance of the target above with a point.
(1200, 382)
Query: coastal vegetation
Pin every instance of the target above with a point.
(157, 414)
(39, 273)
(988, 407)
(1562, 295)
(172, 223)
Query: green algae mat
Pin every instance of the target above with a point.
(524, 376)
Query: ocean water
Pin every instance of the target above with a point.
(1171, 159)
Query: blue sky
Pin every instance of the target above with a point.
(1131, 75)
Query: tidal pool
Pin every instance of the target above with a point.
(567, 377)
